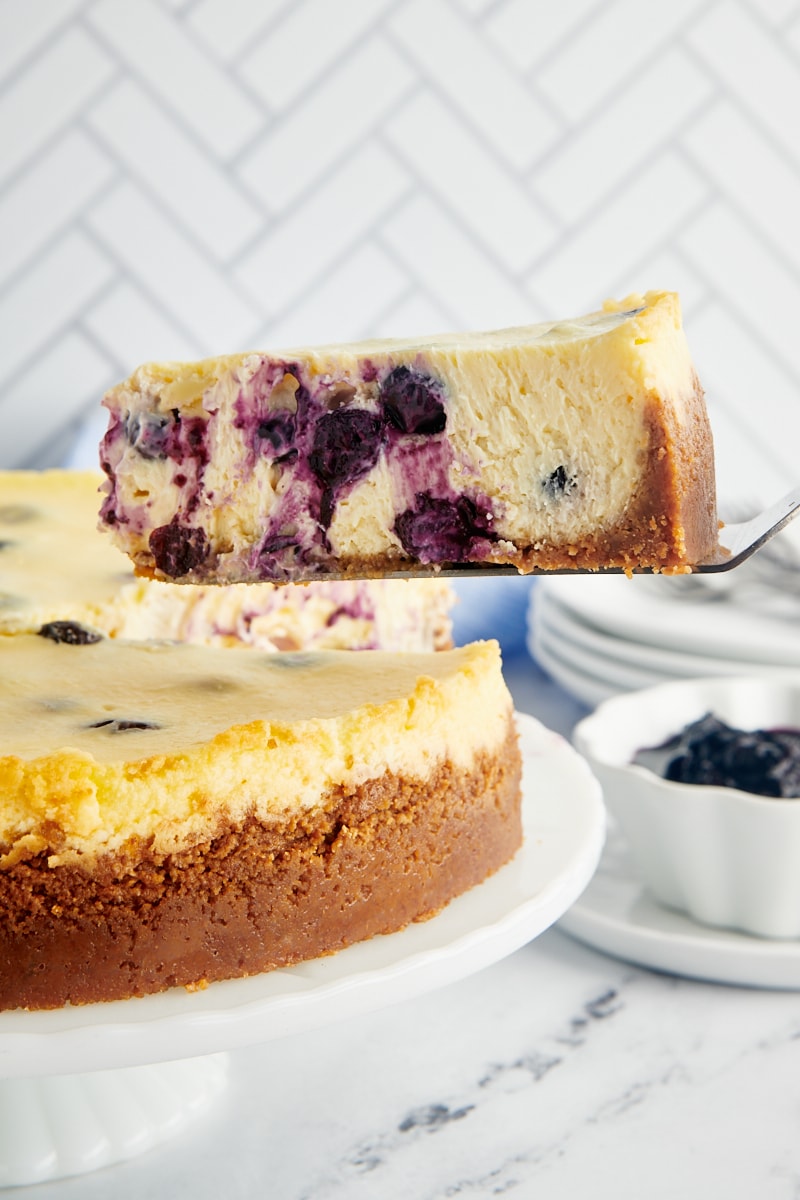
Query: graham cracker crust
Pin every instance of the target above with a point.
(256, 896)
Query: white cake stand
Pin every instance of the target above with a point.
(85, 1087)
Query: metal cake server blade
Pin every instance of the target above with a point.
(737, 542)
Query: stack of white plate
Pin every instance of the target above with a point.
(601, 635)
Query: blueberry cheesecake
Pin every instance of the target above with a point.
(55, 565)
(175, 814)
(582, 443)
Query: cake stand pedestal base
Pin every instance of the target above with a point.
(62, 1125)
(54, 1123)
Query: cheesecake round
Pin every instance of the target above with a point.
(173, 815)
(54, 564)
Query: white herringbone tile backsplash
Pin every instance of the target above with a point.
(187, 177)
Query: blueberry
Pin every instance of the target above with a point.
(277, 544)
(278, 430)
(558, 484)
(297, 659)
(412, 402)
(70, 633)
(116, 725)
(178, 549)
(16, 514)
(440, 530)
(346, 445)
(148, 434)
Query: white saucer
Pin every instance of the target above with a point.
(617, 915)
(623, 673)
(603, 650)
(578, 682)
(564, 824)
(644, 609)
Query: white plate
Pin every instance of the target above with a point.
(657, 662)
(617, 915)
(623, 674)
(636, 610)
(627, 672)
(564, 824)
(618, 676)
(577, 679)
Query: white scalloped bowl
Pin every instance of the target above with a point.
(726, 857)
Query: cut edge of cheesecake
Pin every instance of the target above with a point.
(432, 495)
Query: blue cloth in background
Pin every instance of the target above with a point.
(493, 608)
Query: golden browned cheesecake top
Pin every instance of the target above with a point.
(111, 740)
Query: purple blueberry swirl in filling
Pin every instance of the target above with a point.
(319, 434)
(276, 434)
(346, 446)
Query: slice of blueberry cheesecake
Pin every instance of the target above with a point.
(583, 443)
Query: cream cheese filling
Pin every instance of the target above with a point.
(523, 404)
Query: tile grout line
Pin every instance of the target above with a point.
(372, 28)
(298, 301)
(60, 331)
(428, 82)
(56, 33)
(128, 177)
(127, 70)
(44, 248)
(45, 147)
(456, 218)
(123, 275)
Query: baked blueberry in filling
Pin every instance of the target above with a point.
(347, 443)
(439, 530)
(412, 402)
(178, 549)
(148, 433)
(118, 725)
(277, 432)
(558, 484)
(70, 633)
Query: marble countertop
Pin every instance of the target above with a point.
(557, 1072)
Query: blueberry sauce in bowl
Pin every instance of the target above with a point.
(700, 777)
(710, 752)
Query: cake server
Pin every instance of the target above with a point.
(737, 542)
